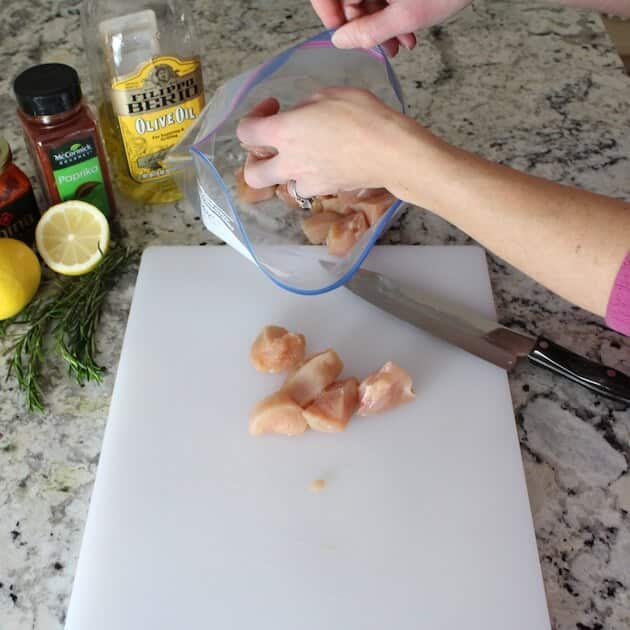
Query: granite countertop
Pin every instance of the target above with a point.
(533, 86)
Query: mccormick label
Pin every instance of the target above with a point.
(154, 106)
(77, 172)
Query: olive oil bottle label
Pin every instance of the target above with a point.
(154, 106)
(78, 175)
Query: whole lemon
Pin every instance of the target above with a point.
(20, 275)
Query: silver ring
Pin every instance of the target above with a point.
(306, 203)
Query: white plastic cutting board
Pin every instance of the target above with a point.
(424, 521)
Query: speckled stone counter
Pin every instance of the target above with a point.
(527, 84)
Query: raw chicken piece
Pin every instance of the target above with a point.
(347, 199)
(316, 227)
(327, 203)
(335, 203)
(369, 200)
(283, 194)
(365, 193)
(260, 153)
(344, 234)
(277, 350)
(343, 202)
(317, 485)
(277, 413)
(331, 411)
(247, 193)
(387, 388)
(313, 377)
(374, 205)
(320, 203)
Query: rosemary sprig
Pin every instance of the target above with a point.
(70, 313)
(26, 364)
(77, 313)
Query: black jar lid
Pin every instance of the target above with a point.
(47, 89)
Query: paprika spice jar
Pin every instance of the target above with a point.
(18, 209)
(62, 137)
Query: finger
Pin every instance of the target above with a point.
(352, 11)
(391, 47)
(255, 131)
(373, 6)
(263, 173)
(330, 12)
(268, 107)
(370, 30)
(259, 153)
(408, 40)
(310, 186)
(323, 94)
(320, 95)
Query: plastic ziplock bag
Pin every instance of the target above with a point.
(206, 159)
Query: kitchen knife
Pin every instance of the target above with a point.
(483, 337)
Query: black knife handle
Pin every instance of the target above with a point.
(594, 376)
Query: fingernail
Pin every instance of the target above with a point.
(339, 39)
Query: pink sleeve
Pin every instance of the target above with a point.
(618, 311)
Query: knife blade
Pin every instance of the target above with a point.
(483, 337)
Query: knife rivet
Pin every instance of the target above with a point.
(611, 373)
(544, 345)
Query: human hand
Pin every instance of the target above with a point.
(339, 139)
(268, 107)
(366, 23)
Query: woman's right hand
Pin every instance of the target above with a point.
(367, 23)
(339, 139)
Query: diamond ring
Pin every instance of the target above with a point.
(306, 203)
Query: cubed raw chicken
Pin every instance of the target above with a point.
(313, 377)
(339, 203)
(247, 193)
(277, 413)
(283, 194)
(374, 205)
(347, 198)
(385, 389)
(331, 411)
(277, 350)
(344, 234)
(327, 203)
(317, 226)
(342, 203)
(260, 153)
(320, 204)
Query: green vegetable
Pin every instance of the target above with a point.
(68, 312)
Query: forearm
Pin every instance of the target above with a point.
(569, 240)
(619, 8)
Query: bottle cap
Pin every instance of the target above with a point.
(47, 89)
(5, 153)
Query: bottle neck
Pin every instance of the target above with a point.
(54, 119)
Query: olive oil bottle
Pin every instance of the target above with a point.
(146, 76)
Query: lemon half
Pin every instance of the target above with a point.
(20, 275)
(72, 237)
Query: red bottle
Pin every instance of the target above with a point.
(18, 209)
(62, 136)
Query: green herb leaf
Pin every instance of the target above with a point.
(69, 312)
